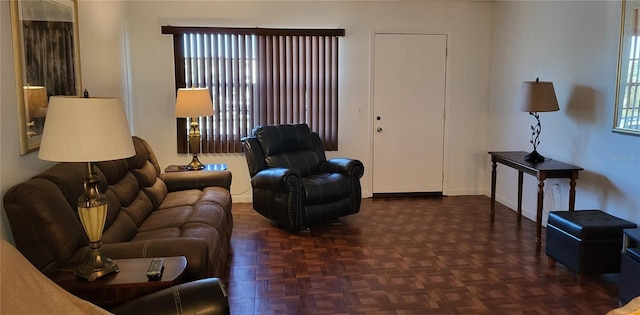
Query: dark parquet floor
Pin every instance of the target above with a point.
(406, 256)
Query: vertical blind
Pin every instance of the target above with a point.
(258, 77)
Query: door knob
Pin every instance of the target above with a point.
(379, 129)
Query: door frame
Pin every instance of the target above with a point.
(448, 62)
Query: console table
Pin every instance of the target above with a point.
(542, 170)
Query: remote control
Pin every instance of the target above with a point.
(155, 268)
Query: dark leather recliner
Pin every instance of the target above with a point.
(293, 182)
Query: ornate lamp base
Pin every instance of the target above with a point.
(195, 163)
(96, 265)
(534, 157)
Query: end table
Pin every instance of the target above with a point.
(207, 167)
(128, 284)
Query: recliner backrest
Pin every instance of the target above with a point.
(290, 146)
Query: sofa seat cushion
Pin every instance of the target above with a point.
(325, 187)
(211, 195)
(193, 213)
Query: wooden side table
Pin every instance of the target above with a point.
(117, 288)
(207, 167)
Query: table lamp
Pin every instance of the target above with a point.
(537, 96)
(88, 130)
(194, 103)
(35, 102)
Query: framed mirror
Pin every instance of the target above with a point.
(47, 61)
(627, 106)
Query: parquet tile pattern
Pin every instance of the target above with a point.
(406, 256)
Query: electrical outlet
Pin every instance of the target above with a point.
(555, 191)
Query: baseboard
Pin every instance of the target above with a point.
(242, 198)
(408, 195)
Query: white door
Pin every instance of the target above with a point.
(408, 106)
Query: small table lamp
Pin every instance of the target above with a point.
(537, 96)
(193, 103)
(88, 130)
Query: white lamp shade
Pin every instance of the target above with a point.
(538, 96)
(85, 130)
(193, 102)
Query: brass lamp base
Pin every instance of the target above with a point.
(195, 164)
(96, 265)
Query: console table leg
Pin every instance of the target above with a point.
(519, 196)
(493, 189)
(572, 192)
(539, 213)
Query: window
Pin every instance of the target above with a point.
(630, 105)
(258, 77)
(627, 101)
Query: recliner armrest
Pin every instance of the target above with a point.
(350, 167)
(274, 178)
(176, 181)
(206, 296)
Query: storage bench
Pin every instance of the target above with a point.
(585, 241)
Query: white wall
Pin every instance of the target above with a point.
(14, 167)
(574, 44)
(467, 23)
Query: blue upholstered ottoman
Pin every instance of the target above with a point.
(585, 241)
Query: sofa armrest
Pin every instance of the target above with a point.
(176, 181)
(275, 179)
(345, 166)
(206, 296)
(195, 250)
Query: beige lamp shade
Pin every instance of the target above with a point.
(538, 96)
(85, 130)
(193, 102)
(35, 100)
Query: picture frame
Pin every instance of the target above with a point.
(47, 61)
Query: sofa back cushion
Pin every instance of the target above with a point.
(290, 146)
(134, 191)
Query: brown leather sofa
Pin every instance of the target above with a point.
(150, 214)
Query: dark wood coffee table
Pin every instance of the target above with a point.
(117, 288)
